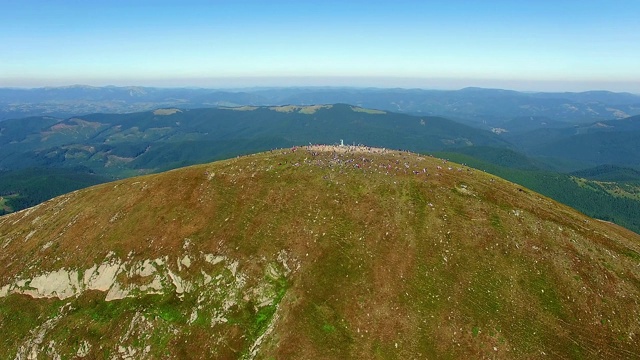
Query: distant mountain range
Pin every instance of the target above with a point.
(485, 108)
(615, 142)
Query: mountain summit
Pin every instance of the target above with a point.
(316, 252)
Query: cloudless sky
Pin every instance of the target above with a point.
(518, 44)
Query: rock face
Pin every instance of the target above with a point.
(218, 288)
(315, 252)
(120, 279)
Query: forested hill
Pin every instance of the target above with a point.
(613, 142)
(123, 144)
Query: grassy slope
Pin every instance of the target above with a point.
(452, 264)
(606, 201)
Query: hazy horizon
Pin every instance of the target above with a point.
(240, 84)
(525, 46)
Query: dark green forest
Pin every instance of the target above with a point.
(28, 187)
(591, 200)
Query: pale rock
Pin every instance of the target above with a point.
(207, 279)
(83, 349)
(155, 287)
(186, 261)
(104, 277)
(213, 259)
(4, 291)
(193, 317)
(233, 267)
(159, 262)
(116, 293)
(29, 235)
(178, 282)
(60, 283)
(147, 268)
(88, 273)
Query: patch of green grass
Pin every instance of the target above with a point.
(160, 339)
(368, 111)
(169, 312)
(19, 315)
(254, 323)
(262, 319)
(632, 254)
(4, 203)
(308, 110)
(285, 108)
(541, 286)
(104, 311)
(496, 223)
(328, 328)
(419, 201)
(475, 331)
(265, 314)
(486, 298)
(384, 351)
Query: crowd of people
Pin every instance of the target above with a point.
(357, 157)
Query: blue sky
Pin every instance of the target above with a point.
(523, 45)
